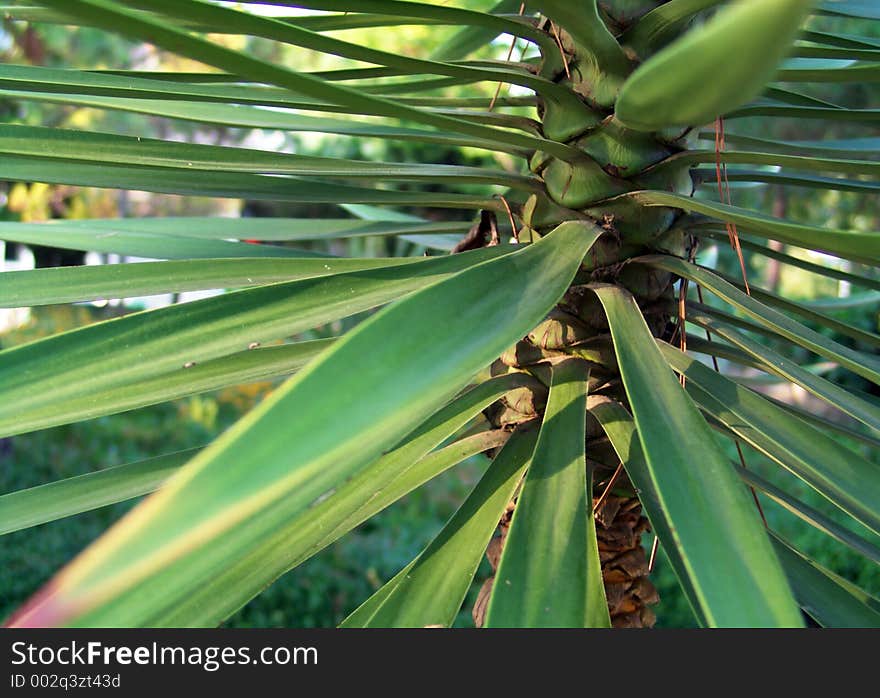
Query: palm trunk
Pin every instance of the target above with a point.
(616, 160)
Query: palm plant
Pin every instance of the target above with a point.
(563, 346)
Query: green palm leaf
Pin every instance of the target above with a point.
(137, 572)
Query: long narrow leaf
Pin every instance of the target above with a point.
(549, 574)
(268, 229)
(55, 500)
(186, 181)
(243, 116)
(810, 313)
(279, 453)
(429, 591)
(122, 240)
(108, 356)
(860, 363)
(850, 431)
(710, 513)
(774, 362)
(621, 431)
(844, 147)
(860, 247)
(52, 144)
(780, 109)
(826, 597)
(86, 283)
(247, 366)
(846, 479)
(386, 480)
(812, 516)
(115, 17)
(470, 38)
(809, 163)
(818, 269)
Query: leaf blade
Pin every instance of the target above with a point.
(842, 476)
(620, 428)
(828, 598)
(671, 430)
(549, 574)
(56, 500)
(429, 591)
(158, 553)
(36, 378)
(395, 474)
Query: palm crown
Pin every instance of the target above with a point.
(571, 336)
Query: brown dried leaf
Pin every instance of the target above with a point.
(482, 602)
